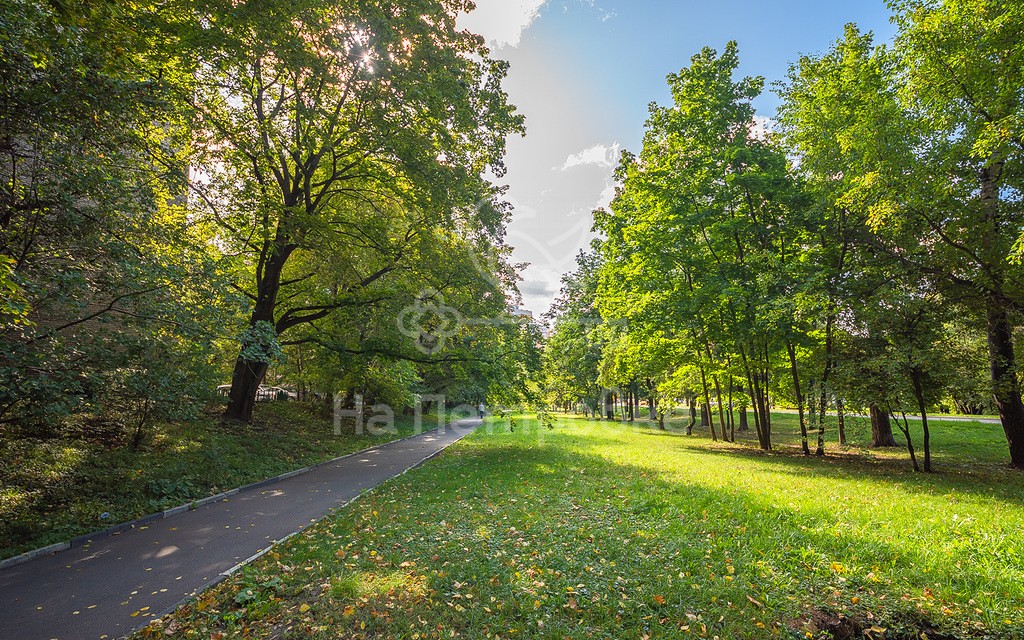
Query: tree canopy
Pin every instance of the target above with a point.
(844, 253)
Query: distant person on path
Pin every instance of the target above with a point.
(480, 410)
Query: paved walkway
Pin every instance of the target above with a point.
(118, 583)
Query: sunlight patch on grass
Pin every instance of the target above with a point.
(594, 528)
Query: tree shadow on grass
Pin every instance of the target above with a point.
(572, 538)
(952, 474)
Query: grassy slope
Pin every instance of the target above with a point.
(616, 531)
(53, 490)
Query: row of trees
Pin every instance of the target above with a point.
(862, 250)
(187, 184)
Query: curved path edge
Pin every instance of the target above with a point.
(118, 580)
(192, 505)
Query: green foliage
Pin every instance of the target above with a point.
(697, 269)
(339, 192)
(573, 351)
(13, 305)
(832, 256)
(259, 344)
(116, 289)
(177, 175)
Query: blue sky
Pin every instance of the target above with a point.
(583, 73)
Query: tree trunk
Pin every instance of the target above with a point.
(247, 376)
(881, 428)
(1005, 387)
(245, 383)
(763, 436)
(905, 428)
(826, 374)
(744, 425)
(705, 411)
(799, 399)
(766, 416)
(915, 377)
(141, 425)
(841, 415)
(721, 409)
(761, 401)
(693, 415)
(732, 417)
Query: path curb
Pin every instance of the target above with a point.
(85, 539)
(224, 575)
(35, 553)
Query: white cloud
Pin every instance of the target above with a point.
(606, 197)
(604, 15)
(599, 155)
(502, 22)
(541, 286)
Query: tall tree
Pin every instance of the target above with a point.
(963, 71)
(110, 270)
(322, 122)
(695, 236)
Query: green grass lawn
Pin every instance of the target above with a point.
(57, 488)
(966, 443)
(611, 530)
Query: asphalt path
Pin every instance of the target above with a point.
(116, 584)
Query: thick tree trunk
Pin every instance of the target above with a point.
(805, 447)
(245, 383)
(693, 415)
(744, 425)
(881, 428)
(1002, 361)
(247, 376)
(1005, 387)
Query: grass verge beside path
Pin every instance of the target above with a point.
(598, 530)
(52, 490)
